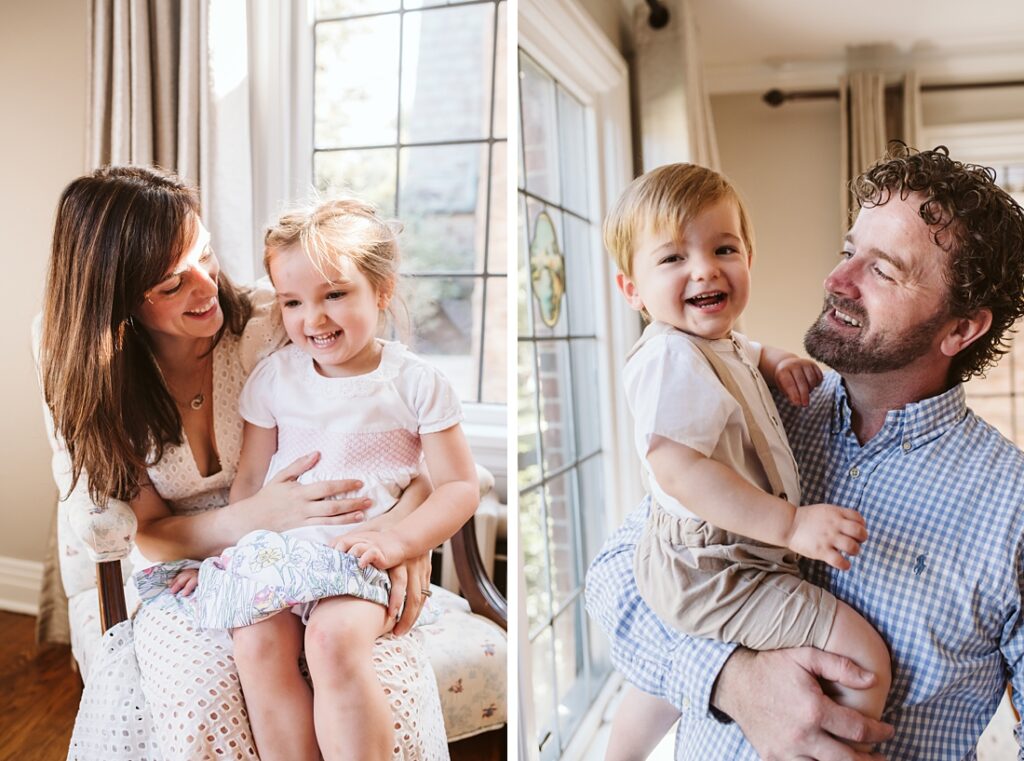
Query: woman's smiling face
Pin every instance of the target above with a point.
(184, 304)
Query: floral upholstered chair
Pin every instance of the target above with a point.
(466, 643)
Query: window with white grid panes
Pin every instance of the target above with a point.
(999, 397)
(409, 113)
(561, 460)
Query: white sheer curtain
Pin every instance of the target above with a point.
(676, 123)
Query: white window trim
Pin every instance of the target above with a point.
(979, 142)
(562, 37)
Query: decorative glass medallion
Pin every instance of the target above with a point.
(547, 269)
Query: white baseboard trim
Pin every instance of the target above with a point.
(19, 585)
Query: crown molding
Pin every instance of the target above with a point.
(563, 37)
(934, 65)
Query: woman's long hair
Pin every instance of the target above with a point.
(117, 233)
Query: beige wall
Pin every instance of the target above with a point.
(956, 106)
(612, 19)
(42, 147)
(785, 164)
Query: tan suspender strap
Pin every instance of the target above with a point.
(757, 437)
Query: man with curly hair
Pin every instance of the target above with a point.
(929, 284)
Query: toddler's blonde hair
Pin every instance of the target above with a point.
(666, 198)
(328, 231)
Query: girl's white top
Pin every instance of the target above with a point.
(673, 393)
(365, 427)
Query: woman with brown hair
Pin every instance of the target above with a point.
(145, 347)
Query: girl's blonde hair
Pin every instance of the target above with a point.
(666, 198)
(328, 231)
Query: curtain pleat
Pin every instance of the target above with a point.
(144, 84)
(868, 119)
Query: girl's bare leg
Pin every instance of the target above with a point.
(278, 698)
(641, 720)
(349, 705)
(853, 637)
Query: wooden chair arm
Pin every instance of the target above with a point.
(110, 586)
(484, 597)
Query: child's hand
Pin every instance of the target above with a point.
(382, 549)
(185, 582)
(796, 377)
(822, 532)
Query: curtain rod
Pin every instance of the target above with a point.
(776, 98)
(658, 17)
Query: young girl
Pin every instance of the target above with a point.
(718, 558)
(370, 408)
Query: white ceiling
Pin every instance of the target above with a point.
(747, 44)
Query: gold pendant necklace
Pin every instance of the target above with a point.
(197, 401)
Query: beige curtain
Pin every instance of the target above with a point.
(911, 108)
(675, 117)
(862, 131)
(146, 65)
(144, 72)
(871, 116)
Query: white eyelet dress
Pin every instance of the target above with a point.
(161, 690)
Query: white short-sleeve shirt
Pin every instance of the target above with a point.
(366, 427)
(673, 392)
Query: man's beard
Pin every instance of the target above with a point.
(880, 353)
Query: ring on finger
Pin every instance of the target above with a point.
(426, 592)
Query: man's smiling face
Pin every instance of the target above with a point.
(886, 302)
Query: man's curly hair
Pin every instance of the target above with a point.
(977, 223)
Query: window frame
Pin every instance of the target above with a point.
(282, 68)
(562, 38)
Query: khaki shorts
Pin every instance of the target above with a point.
(709, 583)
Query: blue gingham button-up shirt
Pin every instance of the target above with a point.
(939, 577)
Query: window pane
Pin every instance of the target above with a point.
(586, 396)
(1016, 358)
(540, 130)
(356, 82)
(495, 360)
(593, 507)
(997, 411)
(368, 174)
(500, 77)
(579, 275)
(572, 130)
(333, 8)
(557, 435)
(497, 261)
(441, 312)
(560, 500)
(433, 3)
(523, 282)
(529, 428)
(544, 695)
(569, 669)
(442, 203)
(547, 270)
(447, 97)
(535, 569)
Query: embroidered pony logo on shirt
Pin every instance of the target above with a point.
(919, 564)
